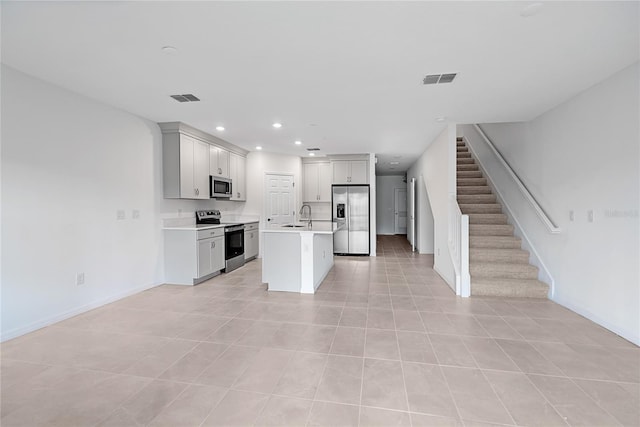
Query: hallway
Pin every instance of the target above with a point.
(384, 342)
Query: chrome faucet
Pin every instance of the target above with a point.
(302, 211)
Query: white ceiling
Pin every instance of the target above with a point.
(342, 76)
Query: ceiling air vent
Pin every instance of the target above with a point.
(186, 98)
(432, 79)
(313, 149)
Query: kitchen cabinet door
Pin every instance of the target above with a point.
(310, 190)
(237, 173)
(341, 172)
(324, 182)
(210, 256)
(317, 182)
(201, 169)
(359, 173)
(251, 241)
(217, 253)
(350, 172)
(219, 161)
(194, 168)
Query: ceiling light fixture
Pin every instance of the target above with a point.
(394, 163)
(440, 119)
(277, 125)
(220, 128)
(298, 142)
(169, 50)
(312, 154)
(258, 147)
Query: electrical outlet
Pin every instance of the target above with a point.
(120, 215)
(135, 214)
(79, 279)
(571, 216)
(590, 215)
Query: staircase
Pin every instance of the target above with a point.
(497, 264)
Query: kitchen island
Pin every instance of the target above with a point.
(297, 257)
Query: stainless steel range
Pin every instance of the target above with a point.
(233, 238)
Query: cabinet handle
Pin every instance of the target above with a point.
(213, 245)
(238, 195)
(196, 191)
(220, 171)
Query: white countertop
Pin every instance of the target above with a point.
(318, 227)
(194, 227)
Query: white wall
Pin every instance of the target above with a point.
(385, 202)
(435, 174)
(584, 155)
(423, 215)
(68, 164)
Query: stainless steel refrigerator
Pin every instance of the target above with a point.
(350, 209)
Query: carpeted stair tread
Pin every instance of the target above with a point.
(470, 182)
(491, 218)
(465, 161)
(519, 288)
(463, 155)
(474, 189)
(476, 198)
(496, 242)
(468, 174)
(507, 270)
(513, 255)
(490, 230)
(467, 167)
(479, 208)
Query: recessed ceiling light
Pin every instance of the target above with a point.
(440, 119)
(258, 147)
(220, 128)
(394, 163)
(277, 125)
(312, 154)
(531, 9)
(169, 50)
(298, 142)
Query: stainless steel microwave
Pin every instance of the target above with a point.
(220, 187)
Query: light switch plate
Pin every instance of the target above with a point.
(120, 215)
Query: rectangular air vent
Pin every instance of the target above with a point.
(188, 97)
(313, 149)
(432, 79)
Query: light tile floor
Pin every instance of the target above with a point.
(383, 342)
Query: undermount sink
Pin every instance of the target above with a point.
(294, 226)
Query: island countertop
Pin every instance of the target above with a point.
(318, 227)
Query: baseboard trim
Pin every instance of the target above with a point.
(48, 321)
(629, 335)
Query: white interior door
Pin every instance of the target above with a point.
(279, 199)
(401, 211)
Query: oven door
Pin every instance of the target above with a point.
(234, 241)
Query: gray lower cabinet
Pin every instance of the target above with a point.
(210, 255)
(251, 240)
(193, 256)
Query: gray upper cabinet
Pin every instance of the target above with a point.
(317, 182)
(190, 156)
(185, 167)
(219, 161)
(237, 173)
(350, 171)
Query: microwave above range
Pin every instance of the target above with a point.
(220, 187)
